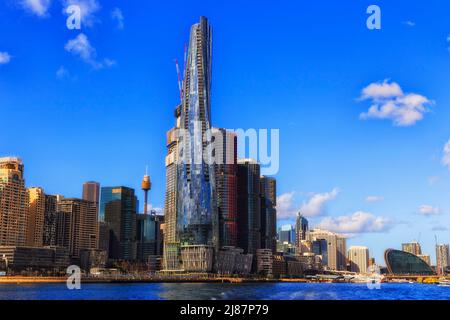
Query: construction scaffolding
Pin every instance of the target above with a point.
(171, 260)
(197, 258)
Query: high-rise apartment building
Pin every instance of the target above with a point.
(442, 258)
(36, 217)
(196, 209)
(412, 247)
(225, 165)
(249, 205)
(170, 201)
(358, 257)
(119, 206)
(50, 220)
(14, 202)
(76, 225)
(336, 248)
(268, 213)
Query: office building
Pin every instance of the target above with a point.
(320, 249)
(22, 258)
(268, 213)
(36, 217)
(286, 234)
(225, 165)
(119, 206)
(426, 258)
(301, 228)
(442, 258)
(249, 206)
(336, 248)
(91, 191)
(149, 235)
(358, 256)
(76, 225)
(14, 202)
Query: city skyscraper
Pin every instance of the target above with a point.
(76, 225)
(442, 258)
(50, 220)
(14, 202)
(196, 209)
(170, 199)
(249, 205)
(412, 247)
(91, 191)
(225, 155)
(119, 207)
(286, 233)
(301, 228)
(336, 249)
(268, 213)
(36, 216)
(358, 257)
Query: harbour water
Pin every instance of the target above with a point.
(215, 291)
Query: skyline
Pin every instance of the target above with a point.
(401, 162)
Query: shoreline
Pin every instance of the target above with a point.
(29, 280)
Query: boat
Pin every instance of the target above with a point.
(444, 282)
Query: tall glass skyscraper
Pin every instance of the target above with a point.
(196, 209)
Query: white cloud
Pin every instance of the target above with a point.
(62, 72)
(117, 15)
(388, 101)
(5, 57)
(409, 23)
(158, 210)
(285, 206)
(374, 199)
(81, 47)
(433, 180)
(446, 156)
(358, 222)
(87, 7)
(37, 7)
(428, 210)
(316, 203)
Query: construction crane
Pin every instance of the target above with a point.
(181, 78)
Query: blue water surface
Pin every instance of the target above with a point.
(213, 291)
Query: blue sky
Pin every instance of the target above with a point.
(100, 111)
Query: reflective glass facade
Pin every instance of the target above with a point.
(118, 206)
(405, 263)
(196, 211)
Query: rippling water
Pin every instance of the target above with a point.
(208, 291)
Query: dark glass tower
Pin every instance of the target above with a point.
(249, 205)
(118, 207)
(269, 213)
(196, 209)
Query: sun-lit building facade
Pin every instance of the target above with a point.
(14, 202)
